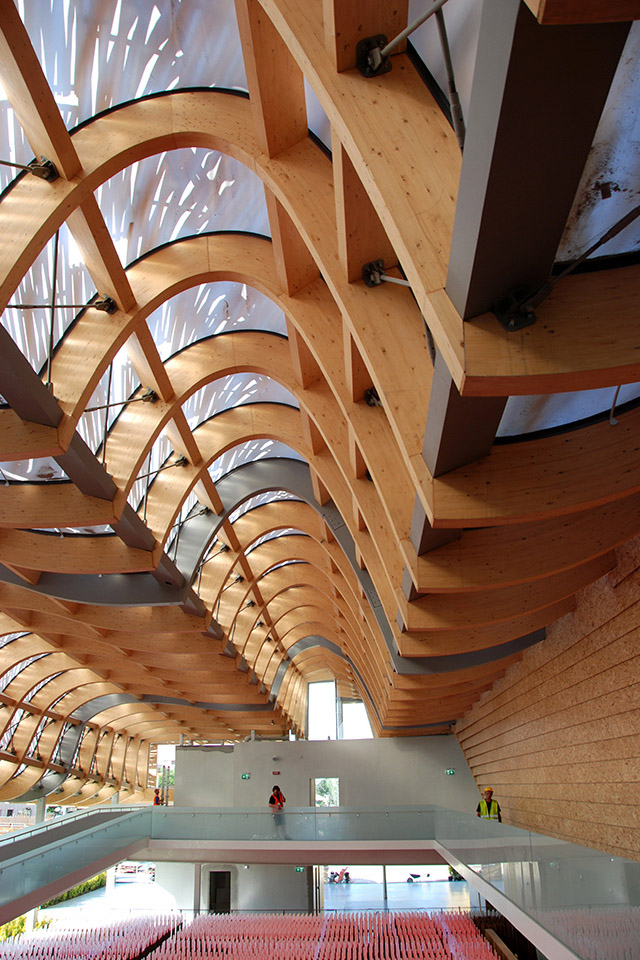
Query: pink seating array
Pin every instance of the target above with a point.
(116, 941)
(354, 936)
(600, 933)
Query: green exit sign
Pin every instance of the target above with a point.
(450, 772)
(299, 869)
(245, 776)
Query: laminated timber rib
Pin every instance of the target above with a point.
(409, 557)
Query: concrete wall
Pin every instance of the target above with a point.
(558, 738)
(372, 773)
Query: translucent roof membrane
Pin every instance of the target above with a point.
(285, 563)
(110, 51)
(17, 669)
(182, 518)
(178, 194)
(7, 736)
(35, 740)
(462, 20)
(115, 388)
(209, 309)
(10, 637)
(275, 535)
(523, 415)
(234, 391)
(39, 686)
(42, 470)
(31, 328)
(159, 454)
(269, 497)
(102, 529)
(609, 186)
(248, 452)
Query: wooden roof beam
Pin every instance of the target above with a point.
(361, 236)
(31, 97)
(346, 22)
(294, 263)
(276, 86)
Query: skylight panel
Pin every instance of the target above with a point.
(40, 470)
(115, 23)
(17, 669)
(234, 391)
(115, 387)
(187, 201)
(10, 637)
(249, 452)
(271, 496)
(139, 51)
(275, 535)
(31, 328)
(99, 530)
(609, 186)
(528, 414)
(157, 458)
(144, 79)
(154, 16)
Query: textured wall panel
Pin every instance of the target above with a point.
(558, 738)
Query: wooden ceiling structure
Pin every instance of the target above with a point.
(424, 556)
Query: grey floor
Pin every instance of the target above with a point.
(127, 899)
(427, 895)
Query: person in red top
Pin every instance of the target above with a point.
(277, 801)
(277, 798)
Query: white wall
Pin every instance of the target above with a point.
(373, 773)
(178, 879)
(255, 886)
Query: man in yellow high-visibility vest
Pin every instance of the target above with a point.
(488, 808)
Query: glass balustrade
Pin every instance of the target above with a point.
(579, 896)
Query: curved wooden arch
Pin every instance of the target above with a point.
(473, 603)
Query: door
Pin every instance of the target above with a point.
(220, 891)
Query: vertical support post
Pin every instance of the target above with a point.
(197, 888)
(165, 786)
(111, 880)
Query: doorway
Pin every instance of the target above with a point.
(220, 891)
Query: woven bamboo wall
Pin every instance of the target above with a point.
(558, 738)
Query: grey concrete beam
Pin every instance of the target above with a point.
(22, 388)
(208, 705)
(538, 93)
(459, 429)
